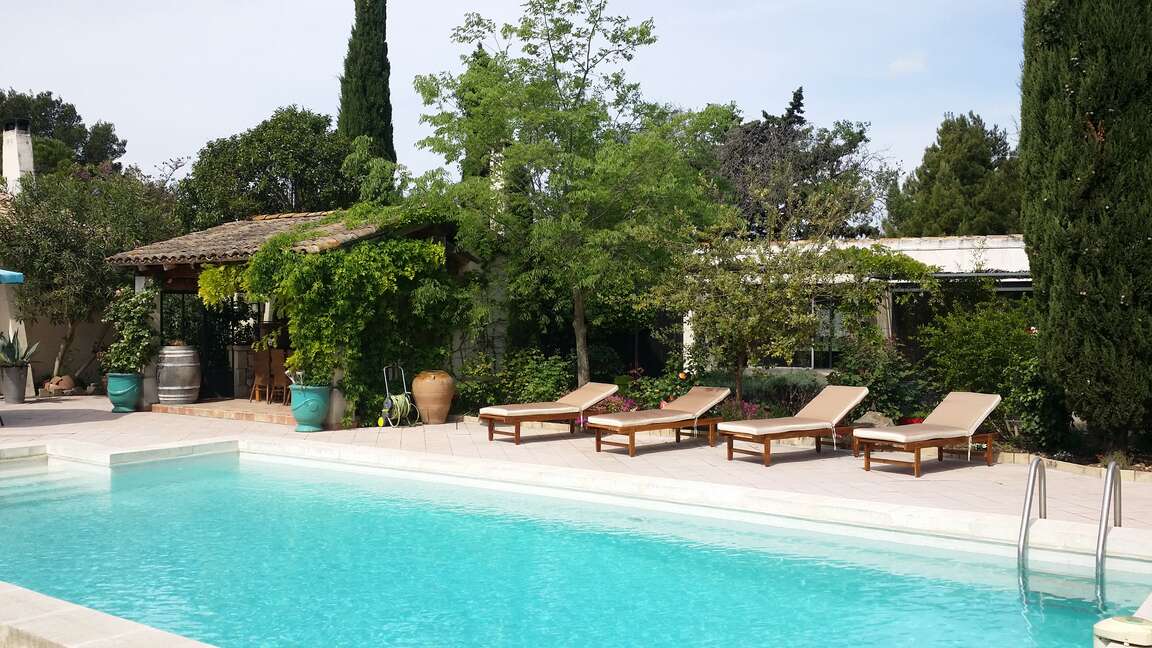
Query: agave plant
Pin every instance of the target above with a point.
(14, 354)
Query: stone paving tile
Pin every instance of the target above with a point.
(953, 484)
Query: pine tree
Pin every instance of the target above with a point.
(968, 183)
(365, 98)
(1086, 161)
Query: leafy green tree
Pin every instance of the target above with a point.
(968, 183)
(748, 301)
(289, 162)
(365, 96)
(62, 228)
(780, 163)
(592, 195)
(1086, 165)
(57, 126)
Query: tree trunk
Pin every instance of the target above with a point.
(580, 328)
(65, 344)
(738, 380)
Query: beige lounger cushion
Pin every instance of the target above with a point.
(910, 433)
(773, 426)
(833, 403)
(687, 408)
(965, 410)
(529, 409)
(571, 403)
(822, 412)
(958, 415)
(699, 400)
(642, 417)
(588, 395)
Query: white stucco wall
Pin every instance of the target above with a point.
(1004, 253)
(952, 254)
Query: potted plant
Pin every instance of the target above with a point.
(130, 315)
(14, 361)
(310, 401)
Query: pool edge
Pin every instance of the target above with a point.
(29, 619)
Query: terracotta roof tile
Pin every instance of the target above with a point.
(238, 241)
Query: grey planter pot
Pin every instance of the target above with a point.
(12, 383)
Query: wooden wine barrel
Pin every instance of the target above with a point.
(179, 375)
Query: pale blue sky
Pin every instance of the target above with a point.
(172, 75)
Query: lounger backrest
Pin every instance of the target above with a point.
(833, 403)
(699, 400)
(964, 410)
(588, 395)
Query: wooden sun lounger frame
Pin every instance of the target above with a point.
(767, 438)
(689, 423)
(870, 445)
(515, 421)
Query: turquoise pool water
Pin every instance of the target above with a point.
(240, 552)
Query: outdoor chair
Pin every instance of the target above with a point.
(682, 413)
(816, 419)
(570, 407)
(261, 376)
(279, 392)
(954, 422)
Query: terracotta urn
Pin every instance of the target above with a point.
(433, 391)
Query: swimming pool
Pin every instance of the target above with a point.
(243, 552)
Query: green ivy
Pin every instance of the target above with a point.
(218, 283)
(352, 311)
(130, 314)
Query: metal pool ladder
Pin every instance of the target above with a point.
(1110, 503)
(1036, 478)
(1111, 500)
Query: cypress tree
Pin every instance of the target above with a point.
(365, 99)
(1086, 164)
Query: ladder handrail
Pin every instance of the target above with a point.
(1111, 497)
(1036, 475)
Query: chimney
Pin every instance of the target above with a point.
(17, 153)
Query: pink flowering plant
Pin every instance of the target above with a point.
(610, 405)
(733, 410)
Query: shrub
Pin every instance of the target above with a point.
(970, 349)
(605, 363)
(650, 391)
(894, 386)
(777, 394)
(613, 405)
(526, 376)
(992, 347)
(533, 377)
(730, 410)
(479, 384)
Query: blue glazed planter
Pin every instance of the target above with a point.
(310, 407)
(124, 391)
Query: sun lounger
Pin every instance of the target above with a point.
(953, 423)
(817, 419)
(684, 412)
(568, 408)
